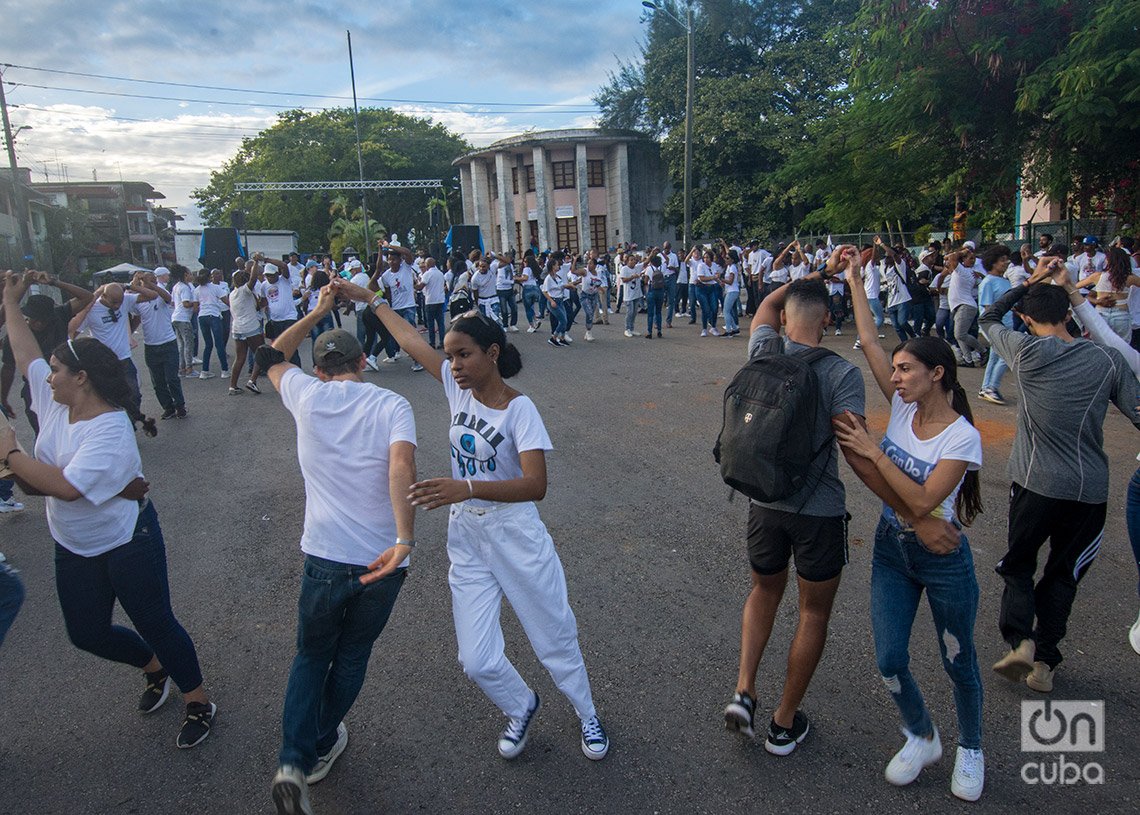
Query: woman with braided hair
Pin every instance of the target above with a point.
(109, 545)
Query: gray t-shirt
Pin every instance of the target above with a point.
(1065, 390)
(841, 388)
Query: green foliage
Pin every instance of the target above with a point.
(321, 146)
(839, 116)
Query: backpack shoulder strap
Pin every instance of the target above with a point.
(814, 355)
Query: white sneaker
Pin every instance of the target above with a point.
(371, 363)
(565, 338)
(713, 332)
(325, 762)
(609, 311)
(513, 738)
(532, 329)
(704, 333)
(838, 333)
(917, 754)
(195, 361)
(969, 774)
(588, 337)
(858, 346)
(514, 329)
(628, 333)
(206, 375)
(399, 355)
(291, 792)
(595, 742)
(389, 360)
(11, 505)
(417, 367)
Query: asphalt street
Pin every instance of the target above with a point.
(655, 561)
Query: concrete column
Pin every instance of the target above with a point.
(547, 234)
(524, 215)
(467, 189)
(582, 178)
(481, 183)
(620, 182)
(506, 203)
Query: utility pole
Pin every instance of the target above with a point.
(359, 155)
(18, 190)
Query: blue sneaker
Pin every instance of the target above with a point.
(595, 743)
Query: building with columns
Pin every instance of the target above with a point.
(572, 189)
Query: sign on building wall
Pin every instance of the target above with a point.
(564, 212)
(532, 214)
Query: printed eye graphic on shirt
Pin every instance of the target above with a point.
(474, 444)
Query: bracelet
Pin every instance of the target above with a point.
(18, 450)
(411, 544)
(470, 489)
(375, 302)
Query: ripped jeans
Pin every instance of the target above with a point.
(901, 568)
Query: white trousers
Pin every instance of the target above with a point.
(505, 550)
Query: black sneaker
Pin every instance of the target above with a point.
(553, 342)
(168, 413)
(196, 724)
(740, 713)
(513, 738)
(181, 413)
(782, 741)
(157, 689)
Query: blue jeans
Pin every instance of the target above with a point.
(654, 300)
(338, 620)
(531, 296)
(162, 362)
(435, 322)
(877, 310)
(557, 317)
(670, 298)
(11, 598)
(1132, 514)
(589, 303)
(730, 301)
(901, 568)
(508, 308)
(572, 305)
(213, 337)
(324, 324)
(409, 314)
(995, 370)
(900, 319)
(6, 489)
(135, 575)
(631, 309)
(706, 295)
(944, 325)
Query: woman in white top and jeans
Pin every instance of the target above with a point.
(245, 306)
(1110, 289)
(926, 466)
(496, 541)
(109, 545)
(209, 297)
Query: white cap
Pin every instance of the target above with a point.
(969, 245)
(161, 271)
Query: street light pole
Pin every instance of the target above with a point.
(690, 79)
(19, 198)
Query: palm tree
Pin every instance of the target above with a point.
(348, 227)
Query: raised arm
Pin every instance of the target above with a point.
(865, 321)
(25, 349)
(403, 332)
(291, 339)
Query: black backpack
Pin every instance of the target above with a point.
(765, 445)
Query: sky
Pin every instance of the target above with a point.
(486, 70)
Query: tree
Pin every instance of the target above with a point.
(762, 79)
(348, 228)
(321, 146)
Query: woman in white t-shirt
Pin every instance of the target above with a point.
(926, 472)
(108, 543)
(553, 286)
(248, 334)
(730, 279)
(182, 318)
(496, 541)
(1110, 291)
(209, 297)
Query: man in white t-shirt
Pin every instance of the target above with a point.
(281, 288)
(671, 268)
(399, 283)
(432, 284)
(356, 540)
(106, 318)
(962, 297)
(160, 346)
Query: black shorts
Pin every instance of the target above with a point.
(818, 544)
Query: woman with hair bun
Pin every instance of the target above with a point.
(496, 541)
(926, 467)
(109, 545)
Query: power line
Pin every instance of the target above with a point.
(292, 94)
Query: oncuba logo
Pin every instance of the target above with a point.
(1055, 726)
